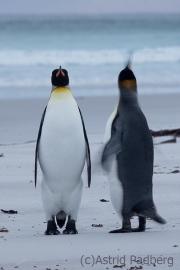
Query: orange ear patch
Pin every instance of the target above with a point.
(128, 83)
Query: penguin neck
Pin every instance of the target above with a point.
(128, 97)
(61, 92)
(54, 87)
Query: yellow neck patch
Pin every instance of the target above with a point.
(61, 92)
(128, 83)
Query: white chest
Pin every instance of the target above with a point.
(62, 147)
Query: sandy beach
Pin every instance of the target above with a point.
(25, 246)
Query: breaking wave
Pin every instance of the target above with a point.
(84, 57)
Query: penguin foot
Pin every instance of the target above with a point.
(126, 227)
(51, 228)
(70, 227)
(142, 225)
(52, 232)
(138, 229)
(70, 231)
(123, 230)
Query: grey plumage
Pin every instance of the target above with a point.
(132, 145)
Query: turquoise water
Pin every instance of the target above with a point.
(93, 49)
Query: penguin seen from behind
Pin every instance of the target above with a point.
(128, 158)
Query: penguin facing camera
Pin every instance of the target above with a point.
(62, 148)
(128, 158)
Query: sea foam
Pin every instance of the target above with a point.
(85, 57)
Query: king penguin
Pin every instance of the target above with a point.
(128, 158)
(62, 148)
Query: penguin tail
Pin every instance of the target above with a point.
(156, 217)
(61, 219)
(147, 209)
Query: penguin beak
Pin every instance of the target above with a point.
(60, 72)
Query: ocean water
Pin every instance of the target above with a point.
(93, 49)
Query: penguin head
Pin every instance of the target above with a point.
(60, 77)
(126, 79)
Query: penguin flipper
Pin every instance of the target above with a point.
(114, 145)
(88, 156)
(37, 145)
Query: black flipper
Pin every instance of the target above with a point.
(88, 156)
(37, 145)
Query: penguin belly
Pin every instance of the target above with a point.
(62, 152)
(115, 185)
